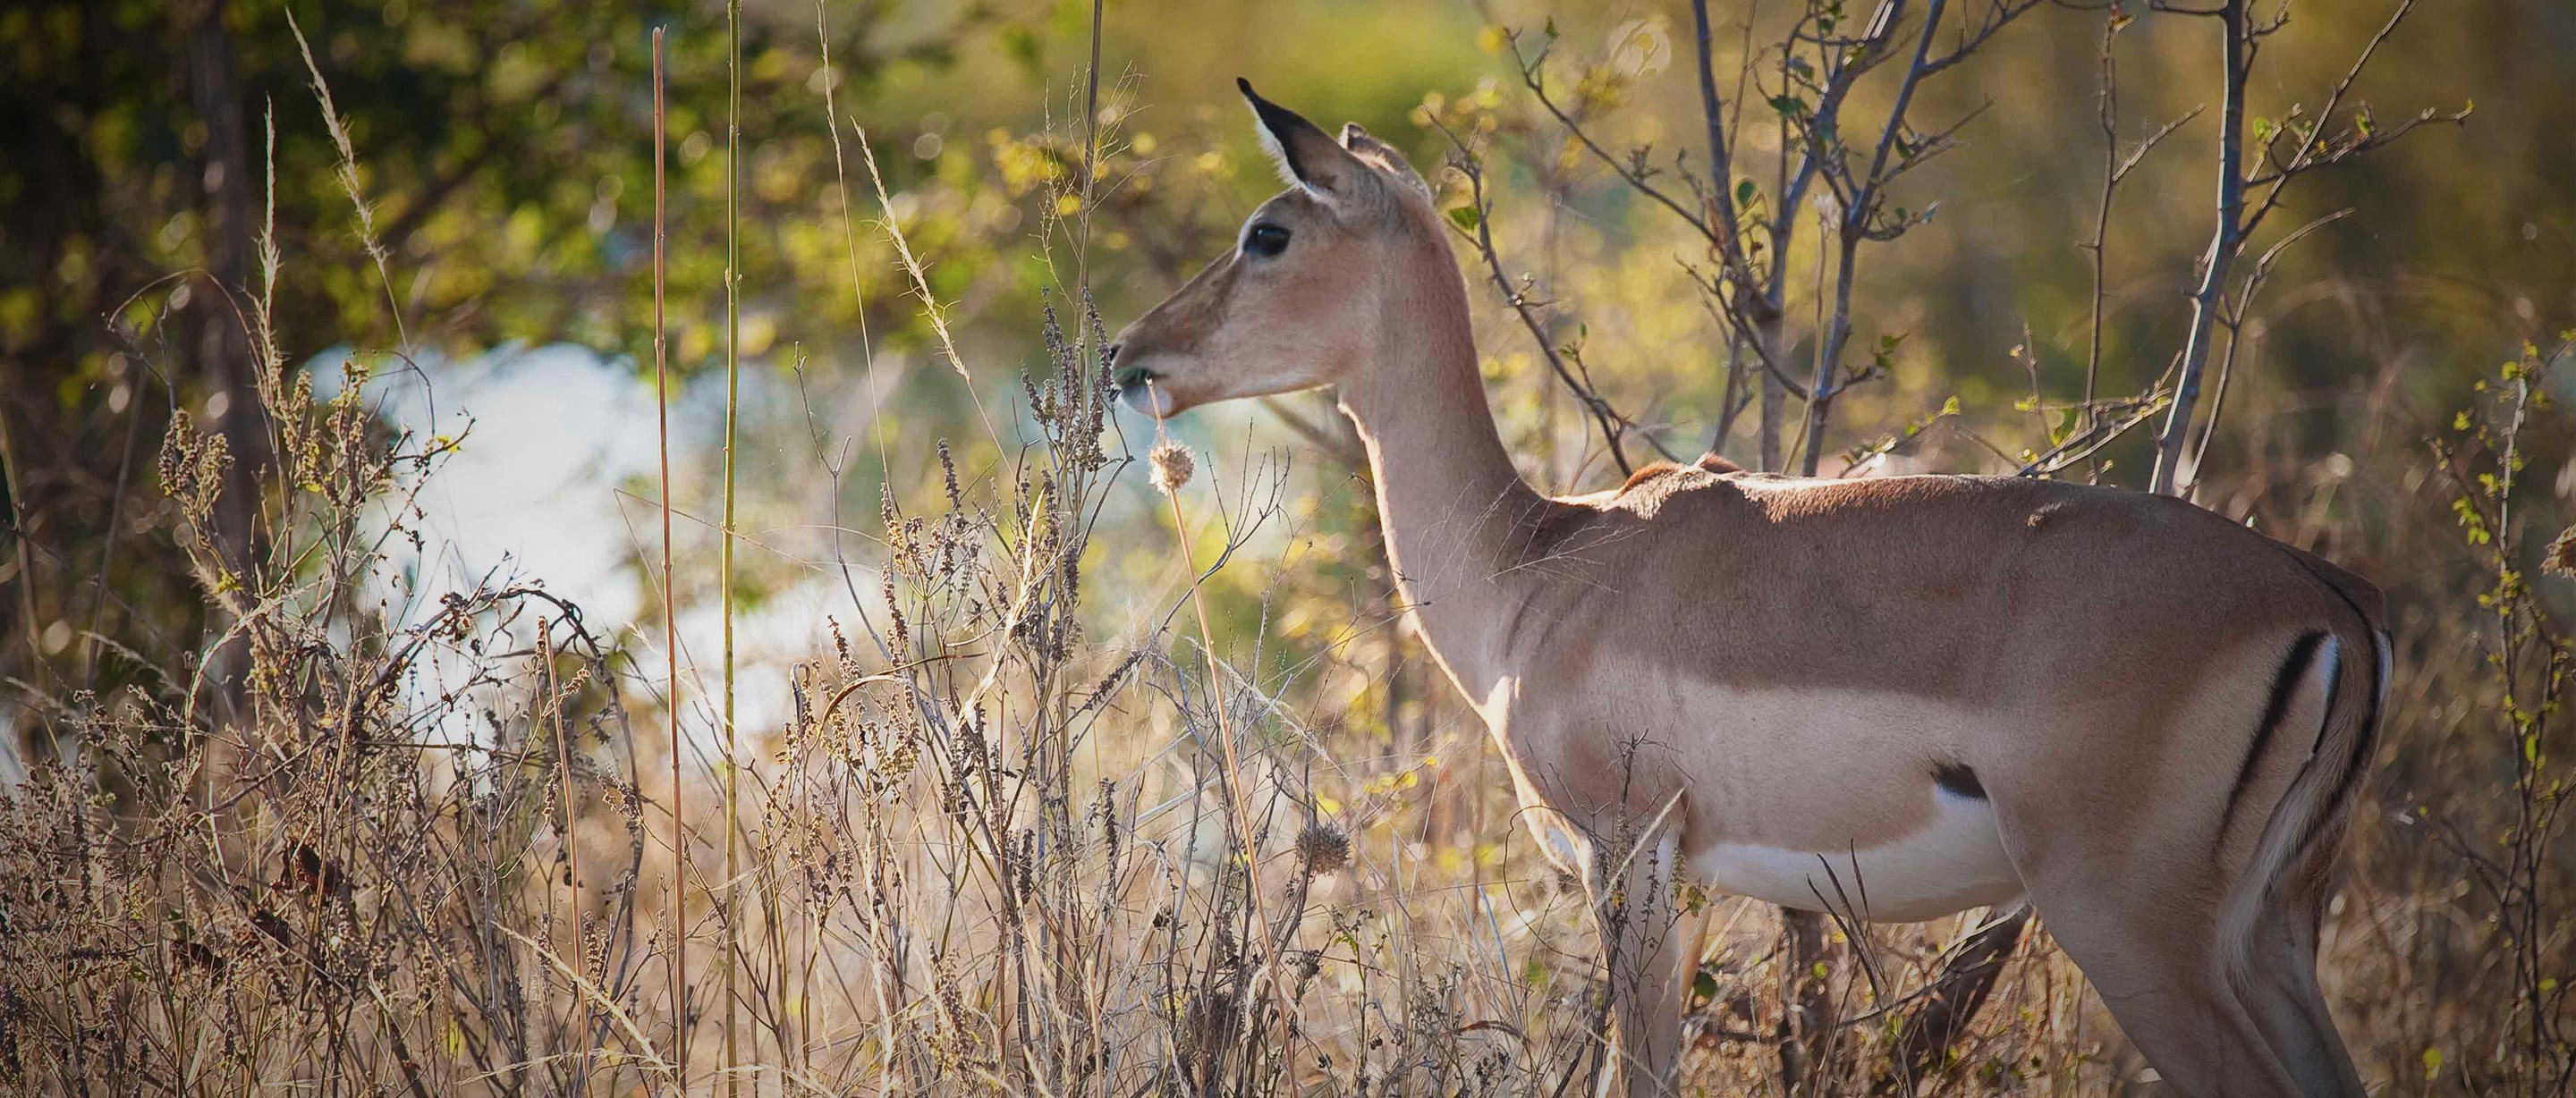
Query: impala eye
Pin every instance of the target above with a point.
(1265, 240)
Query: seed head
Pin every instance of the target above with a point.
(1323, 847)
(2561, 557)
(1172, 466)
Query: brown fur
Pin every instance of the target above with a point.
(1779, 663)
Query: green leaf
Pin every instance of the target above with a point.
(1744, 192)
(1789, 106)
(1466, 217)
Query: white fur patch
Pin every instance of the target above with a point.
(1279, 159)
(1951, 864)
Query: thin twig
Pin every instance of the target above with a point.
(2235, 324)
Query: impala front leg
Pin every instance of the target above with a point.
(1651, 926)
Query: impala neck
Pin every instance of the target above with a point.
(1455, 513)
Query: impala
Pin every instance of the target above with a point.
(1898, 698)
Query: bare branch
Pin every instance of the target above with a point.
(2130, 162)
(1721, 174)
(1611, 424)
(2235, 322)
(1956, 995)
(2360, 140)
(1737, 327)
(1915, 153)
(1998, 14)
(2066, 454)
(2314, 153)
(1535, 81)
(2108, 111)
(1818, 158)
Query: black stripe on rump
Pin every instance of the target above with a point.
(1956, 779)
(2303, 653)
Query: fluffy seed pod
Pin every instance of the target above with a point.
(1172, 466)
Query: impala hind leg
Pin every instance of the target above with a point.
(2138, 910)
(2275, 980)
(2154, 959)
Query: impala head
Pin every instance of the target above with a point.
(1304, 298)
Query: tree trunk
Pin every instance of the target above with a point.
(2224, 242)
(1775, 397)
(222, 347)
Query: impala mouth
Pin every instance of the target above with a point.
(1142, 390)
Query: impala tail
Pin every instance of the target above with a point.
(2269, 924)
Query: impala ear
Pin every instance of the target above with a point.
(1307, 156)
(1367, 147)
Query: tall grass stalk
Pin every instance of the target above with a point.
(553, 697)
(1172, 467)
(346, 173)
(675, 922)
(724, 572)
(850, 250)
(920, 276)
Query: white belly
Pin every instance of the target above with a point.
(1953, 863)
